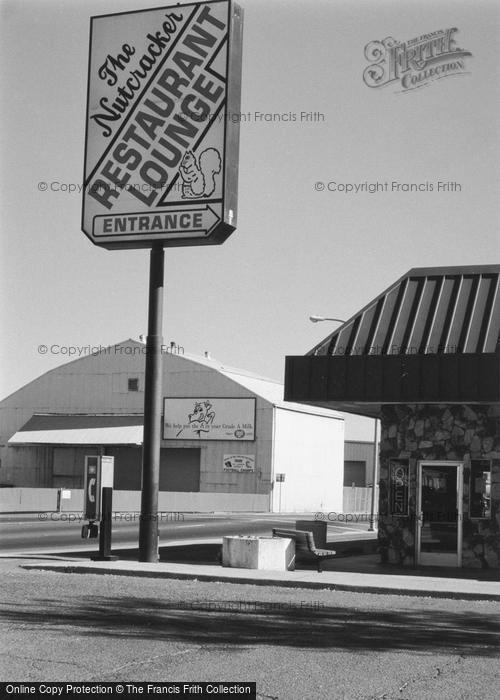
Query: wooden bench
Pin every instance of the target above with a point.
(305, 549)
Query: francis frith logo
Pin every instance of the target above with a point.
(414, 63)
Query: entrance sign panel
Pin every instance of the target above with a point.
(161, 135)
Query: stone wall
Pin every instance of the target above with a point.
(432, 432)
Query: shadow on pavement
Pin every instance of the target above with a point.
(236, 624)
(182, 554)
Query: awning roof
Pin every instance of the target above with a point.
(51, 429)
(432, 337)
(428, 311)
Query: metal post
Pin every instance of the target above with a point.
(105, 528)
(148, 527)
(371, 527)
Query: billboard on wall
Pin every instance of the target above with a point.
(162, 133)
(206, 418)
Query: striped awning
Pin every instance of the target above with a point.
(428, 311)
(52, 429)
(432, 337)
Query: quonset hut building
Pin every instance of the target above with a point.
(229, 443)
(424, 357)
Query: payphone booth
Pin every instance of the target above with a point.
(97, 501)
(99, 471)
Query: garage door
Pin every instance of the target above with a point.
(179, 468)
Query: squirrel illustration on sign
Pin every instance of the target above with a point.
(199, 175)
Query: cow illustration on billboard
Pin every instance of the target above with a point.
(201, 418)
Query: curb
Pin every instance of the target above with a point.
(213, 578)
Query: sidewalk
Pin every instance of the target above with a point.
(357, 573)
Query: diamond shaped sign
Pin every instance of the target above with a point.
(162, 132)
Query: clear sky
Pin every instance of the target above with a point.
(297, 251)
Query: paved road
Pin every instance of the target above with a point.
(54, 531)
(297, 645)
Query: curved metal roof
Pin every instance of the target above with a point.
(450, 310)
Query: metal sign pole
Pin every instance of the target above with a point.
(148, 527)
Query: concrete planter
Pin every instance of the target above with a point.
(250, 552)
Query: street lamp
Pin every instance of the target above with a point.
(371, 526)
(317, 319)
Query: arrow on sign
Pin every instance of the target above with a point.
(199, 221)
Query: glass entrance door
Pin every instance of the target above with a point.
(439, 525)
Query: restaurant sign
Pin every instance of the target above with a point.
(160, 151)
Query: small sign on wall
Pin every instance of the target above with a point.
(399, 487)
(239, 463)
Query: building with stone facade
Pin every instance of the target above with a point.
(424, 358)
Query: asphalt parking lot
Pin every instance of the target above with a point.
(295, 643)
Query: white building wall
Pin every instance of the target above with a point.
(309, 450)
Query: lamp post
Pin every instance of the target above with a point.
(371, 526)
(317, 319)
